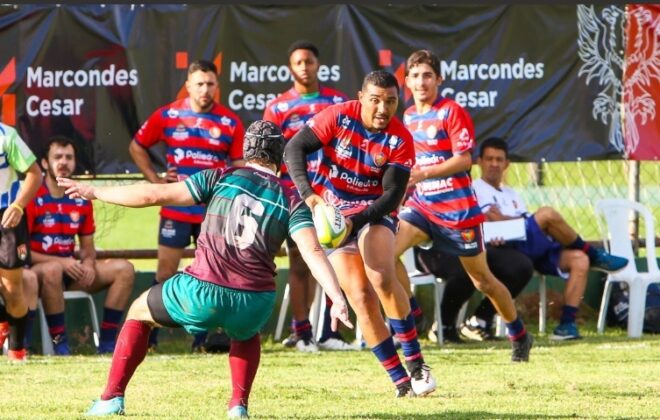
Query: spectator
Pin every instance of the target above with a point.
(230, 283)
(366, 158)
(54, 220)
(553, 246)
(15, 157)
(443, 209)
(290, 111)
(511, 266)
(199, 134)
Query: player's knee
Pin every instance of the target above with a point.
(51, 275)
(580, 262)
(484, 282)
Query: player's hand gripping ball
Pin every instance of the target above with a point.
(330, 225)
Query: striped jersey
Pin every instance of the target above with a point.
(53, 222)
(249, 214)
(195, 141)
(291, 110)
(15, 156)
(353, 159)
(442, 132)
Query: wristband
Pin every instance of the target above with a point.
(17, 207)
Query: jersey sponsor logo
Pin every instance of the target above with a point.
(172, 113)
(215, 132)
(168, 230)
(393, 142)
(379, 159)
(179, 154)
(430, 160)
(435, 186)
(21, 251)
(283, 107)
(40, 201)
(337, 99)
(295, 122)
(225, 121)
(79, 202)
(333, 200)
(443, 113)
(431, 132)
(75, 216)
(180, 133)
(344, 148)
(464, 139)
(357, 182)
(345, 122)
(467, 235)
(334, 172)
(48, 220)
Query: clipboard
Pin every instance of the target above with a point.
(509, 230)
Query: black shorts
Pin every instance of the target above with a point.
(14, 245)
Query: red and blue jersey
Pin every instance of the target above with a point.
(353, 159)
(442, 132)
(195, 141)
(291, 110)
(53, 222)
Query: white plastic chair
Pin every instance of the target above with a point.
(500, 327)
(46, 341)
(616, 213)
(417, 278)
(315, 312)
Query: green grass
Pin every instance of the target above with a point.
(604, 377)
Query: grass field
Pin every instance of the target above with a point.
(600, 377)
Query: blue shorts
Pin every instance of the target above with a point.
(541, 249)
(200, 306)
(350, 245)
(466, 242)
(177, 234)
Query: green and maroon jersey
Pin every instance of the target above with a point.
(249, 214)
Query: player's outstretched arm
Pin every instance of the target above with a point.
(318, 263)
(134, 195)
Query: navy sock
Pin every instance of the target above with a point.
(516, 329)
(55, 324)
(389, 359)
(568, 314)
(415, 310)
(199, 339)
(303, 329)
(110, 324)
(29, 323)
(580, 244)
(327, 322)
(407, 335)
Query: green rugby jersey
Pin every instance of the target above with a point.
(14, 156)
(249, 214)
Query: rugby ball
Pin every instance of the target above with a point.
(330, 225)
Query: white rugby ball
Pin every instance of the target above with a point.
(330, 225)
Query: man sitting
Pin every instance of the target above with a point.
(554, 247)
(54, 220)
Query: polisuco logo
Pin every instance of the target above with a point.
(601, 44)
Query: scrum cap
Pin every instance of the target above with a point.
(264, 140)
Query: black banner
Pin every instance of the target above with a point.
(96, 72)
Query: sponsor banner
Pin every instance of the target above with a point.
(641, 83)
(97, 72)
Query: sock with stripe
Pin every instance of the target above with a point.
(580, 244)
(302, 329)
(110, 324)
(389, 359)
(56, 325)
(407, 335)
(516, 329)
